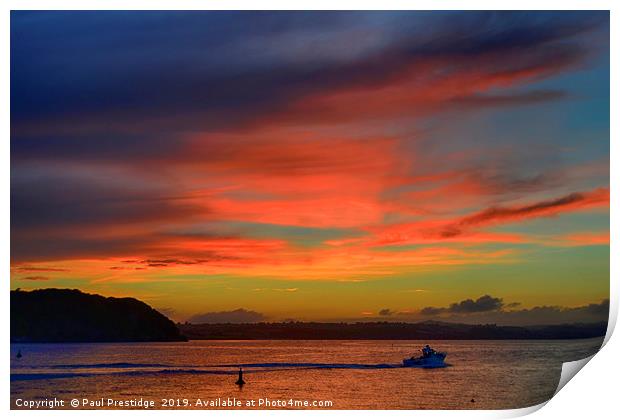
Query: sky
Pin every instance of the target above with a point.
(328, 166)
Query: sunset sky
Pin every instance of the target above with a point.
(315, 166)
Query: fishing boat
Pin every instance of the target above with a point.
(430, 358)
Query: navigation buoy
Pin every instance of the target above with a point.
(240, 381)
(19, 354)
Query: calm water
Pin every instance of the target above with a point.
(350, 374)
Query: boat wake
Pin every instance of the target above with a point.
(144, 369)
(315, 365)
(119, 365)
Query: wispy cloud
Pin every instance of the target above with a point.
(236, 316)
(36, 278)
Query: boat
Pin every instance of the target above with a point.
(430, 358)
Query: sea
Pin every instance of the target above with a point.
(289, 374)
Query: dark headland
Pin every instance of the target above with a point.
(66, 315)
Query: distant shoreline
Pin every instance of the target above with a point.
(71, 316)
(428, 330)
(303, 339)
(383, 339)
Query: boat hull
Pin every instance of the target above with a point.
(434, 360)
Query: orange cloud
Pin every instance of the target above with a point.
(586, 238)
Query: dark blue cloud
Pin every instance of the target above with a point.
(52, 198)
(109, 68)
(100, 146)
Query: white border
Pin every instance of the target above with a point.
(593, 395)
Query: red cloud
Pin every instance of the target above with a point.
(570, 202)
(463, 229)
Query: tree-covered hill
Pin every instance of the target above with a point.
(66, 315)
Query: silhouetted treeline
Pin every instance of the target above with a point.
(64, 315)
(385, 331)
